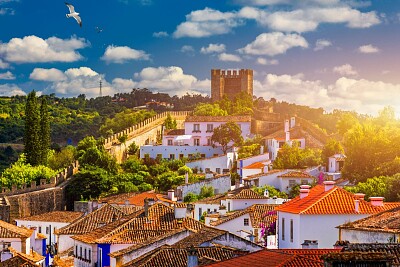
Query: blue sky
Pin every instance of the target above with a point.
(323, 53)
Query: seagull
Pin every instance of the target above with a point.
(73, 14)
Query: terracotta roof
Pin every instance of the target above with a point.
(262, 174)
(216, 199)
(310, 253)
(270, 258)
(17, 261)
(205, 234)
(102, 216)
(296, 174)
(389, 248)
(387, 221)
(295, 133)
(54, 216)
(8, 230)
(137, 228)
(164, 256)
(134, 198)
(256, 165)
(40, 236)
(63, 262)
(174, 132)
(34, 257)
(247, 194)
(390, 205)
(333, 201)
(259, 213)
(364, 257)
(180, 205)
(217, 118)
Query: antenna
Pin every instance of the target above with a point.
(100, 88)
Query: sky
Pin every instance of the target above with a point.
(334, 54)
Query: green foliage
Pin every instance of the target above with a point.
(62, 159)
(190, 197)
(271, 190)
(331, 148)
(168, 180)
(133, 149)
(169, 123)
(204, 109)
(248, 151)
(293, 157)
(22, 172)
(206, 191)
(133, 165)
(226, 133)
(184, 169)
(143, 187)
(32, 130)
(372, 187)
(44, 136)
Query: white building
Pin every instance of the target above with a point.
(267, 178)
(179, 152)
(336, 163)
(253, 165)
(219, 164)
(290, 133)
(312, 217)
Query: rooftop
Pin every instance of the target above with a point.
(218, 118)
(8, 230)
(333, 201)
(247, 194)
(254, 176)
(296, 174)
(54, 216)
(205, 234)
(174, 132)
(136, 199)
(257, 165)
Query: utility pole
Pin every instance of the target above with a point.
(100, 88)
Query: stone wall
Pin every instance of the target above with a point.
(221, 184)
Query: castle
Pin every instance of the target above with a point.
(230, 83)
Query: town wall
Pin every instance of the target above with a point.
(221, 184)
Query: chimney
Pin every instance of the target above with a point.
(310, 244)
(266, 193)
(193, 259)
(359, 196)
(146, 207)
(171, 195)
(376, 201)
(261, 150)
(287, 136)
(287, 126)
(304, 190)
(292, 122)
(329, 185)
(357, 205)
(189, 210)
(180, 210)
(186, 178)
(222, 210)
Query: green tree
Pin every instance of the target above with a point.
(288, 157)
(190, 197)
(205, 109)
(331, 148)
(62, 159)
(226, 134)
(122, 139)
(32, 130)
(133, 149)
(372, 187)
(169, 123)
(272, 191)
(206, 191)
(44, 136)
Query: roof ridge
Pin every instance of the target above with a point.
(325, 194)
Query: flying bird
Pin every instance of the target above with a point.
(99, 30)
(74, 14)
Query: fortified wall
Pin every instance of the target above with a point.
(230, 83)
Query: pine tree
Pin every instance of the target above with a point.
(32, 128)
(44, 136)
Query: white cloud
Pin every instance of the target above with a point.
(160, 34)
(35, 49)
(264, 61)
(123, 85)
(49, 75)
(121, 54)
(10, 90)
(361, 95)
(229, 57)
(187, 49)
(321, 44)
(7, 76)
(288, 2)
(4, 65)
(213, 48)
(274, 43)
(7, 11)
(368, 49)
(207, 22)
(170, 80)
(345, 70)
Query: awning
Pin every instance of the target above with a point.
(183, 137)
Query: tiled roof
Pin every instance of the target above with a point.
(180, 205)
(247, 194)
(33, 257)
(8, 230)
(333, 201)
(389, 248)
(134, 199)
(390, 205)
(295, 133)
(216, 199)
(100, 217)
(262, 174)
(17, 261)
(137, 228)
(387, 221)
(256, 165)
(63, 262)
(54, 216)
(270, 258)
(296, 174)
(165, 256)
(174, 132)
(351, 257)
(309, 253)
(217, 118)
(259, 213)
(205, 234)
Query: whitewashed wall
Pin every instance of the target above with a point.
(221, 162)
(356, 236)
(165, 151)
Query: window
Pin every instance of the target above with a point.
(196, 128)
(76, 251)
(209, 143)
(47, 230)
(172, 156)
(90, 255)
(6, 246)
(208, 210)
(304, 181)
(190, 156)
(246, 221)
(40, 229)
(170, 142)
(80, 252)
(196, 141)
(291, 230)
(159, 157)
(210, 127)
(283, 228)
(85, 255)
(218, 170)
(203, 156)
(229, 206)
(292, 183)
(200, 212)
(181, 156)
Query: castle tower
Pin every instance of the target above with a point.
(230, 83)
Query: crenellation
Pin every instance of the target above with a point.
(230, 83)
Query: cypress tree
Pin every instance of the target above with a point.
(32, 128)
(44, 136)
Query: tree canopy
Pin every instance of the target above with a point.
(227, 135)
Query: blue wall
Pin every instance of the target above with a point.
(105, 251)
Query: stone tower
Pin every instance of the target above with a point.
(230, 83)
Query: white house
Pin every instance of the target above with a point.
(311, 218)
(289, 134)
(244, 199)
(336, 163)
(179, 152)
(382, 227)
(219, 164)
(292, 178)
(253, 165)
(266, 178)
(249, 223)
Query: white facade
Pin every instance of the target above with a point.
(299, 227)
(200, 208)
(241, 204)
(85, 255)
(274, 145)
(45, 228)
(359, 236)
(269, 178)
(242, 163)
(20, 245)
(178, 152)
(64, 242)
(221, 184)
(214, 164)
(286, 183)
(336, 163)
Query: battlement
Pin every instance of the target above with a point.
(231, 73)
(230, 82)
(43, 184)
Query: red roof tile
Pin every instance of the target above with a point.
(54, 216)
(333, 201)
(217, 118)
(296, 174)
(256, 165)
